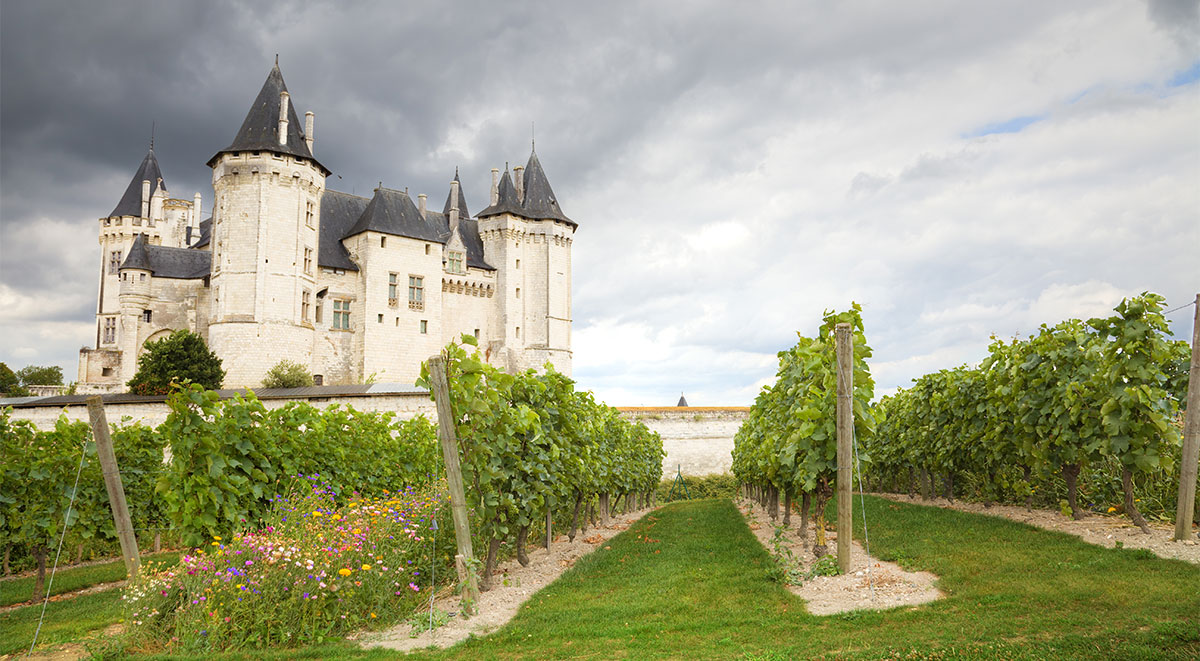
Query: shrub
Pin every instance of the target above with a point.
(286, 374)
(316, 570)
(180, 356)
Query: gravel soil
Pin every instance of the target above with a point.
(872, 584)
(1100, 529)
(512, 586)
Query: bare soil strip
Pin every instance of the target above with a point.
(872, 584)
(1099, 529)
(512, 586)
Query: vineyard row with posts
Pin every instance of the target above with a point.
(788, 445)
(534, 450)
(1080, 406)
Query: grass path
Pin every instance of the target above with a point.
(690, 581)
(702, 592)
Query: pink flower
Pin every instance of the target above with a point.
(414, 587)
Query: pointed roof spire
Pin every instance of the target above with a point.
(152, 123)
(539, 202)
(131, 201)
(506, 198)
(682, 401)
(462, 200)
(260, 129)
(137, 259)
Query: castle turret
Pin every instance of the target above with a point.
(136, 282)
(266, 221)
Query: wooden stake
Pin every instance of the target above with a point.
(458, 501)
(112, 483)
(1185, 510)
(845, 433)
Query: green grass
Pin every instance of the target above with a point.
(17, 590)
(1013, 592)
(66, 621)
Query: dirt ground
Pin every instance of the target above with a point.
(872, 584)
(1100, 529)
(512, 586)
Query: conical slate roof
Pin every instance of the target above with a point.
(462, 201)
(506, 201)
(682, 401)
(137, 259)
(540, 202)
(131, 201)
(260, 129)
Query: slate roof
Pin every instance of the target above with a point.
(539, 202)
(260, 129)
(339, 212)
(393, 212)
(506, 200)
(682, 401)
(131, 201)
(462, 201)
(205, 234)
(164, 262)
(468, 229)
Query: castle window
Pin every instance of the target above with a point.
(518, 264)
(477, 333)
(341, 314)
(106, 371)
(146, 316)
(380, 320)
(426, 248)
(114, 261)
(308, 213)
(304, 305)
(141, 277)
(454, 262)
(416, 292)
(518, 332)
(518, 292)
(383, 242)
(308, 260)
(424, 326)
(110, 330)
(318, 379)
(393, 285)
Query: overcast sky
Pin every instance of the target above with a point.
(961, 169)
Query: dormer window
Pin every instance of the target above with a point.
(454, 262)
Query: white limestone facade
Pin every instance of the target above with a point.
(357, 289)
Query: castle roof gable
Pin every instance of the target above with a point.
(539, 202)
(506, 199)
(393, 212)
(131, 201)
(164, 262)
(260, 129)
(462, 201)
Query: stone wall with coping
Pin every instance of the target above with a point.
(698, 439)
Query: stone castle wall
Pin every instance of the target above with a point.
(698, 440)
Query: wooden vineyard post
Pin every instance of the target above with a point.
(458, 500)
(112, 483)
(1185, 509)
(845, 431)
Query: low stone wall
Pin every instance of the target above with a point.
(404, 405)
(698, 439)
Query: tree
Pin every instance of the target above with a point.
(37, 375)
(179, 356)
(10, 383)
(286, 374)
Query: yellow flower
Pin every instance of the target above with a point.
(216, 543)
(357, 531)
(337, 517)
(345, 572)
(372, 615)
(366, 567)
(216, 537)
(1111, 510)
(316, 514)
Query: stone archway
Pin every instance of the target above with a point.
(154, 337)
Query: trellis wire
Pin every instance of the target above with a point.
(58, 554)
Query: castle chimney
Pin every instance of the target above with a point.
(453, 205)
(145, 198)
(308, 129)
(519, 173)
(283, 117)
(495, 185)
(421, 203)
(197, 216)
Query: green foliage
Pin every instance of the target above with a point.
(287, 374)
(38, 375)
(1083, 398)
(231, 458)
(181, 356)
(530, 442)
(10, 383)
(717, 485)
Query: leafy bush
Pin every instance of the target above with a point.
(286, 374)
(38, 375)
(716, 485)
(319, 567)
(181, 356)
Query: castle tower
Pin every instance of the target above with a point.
(135, 287)
(528, 238)
(145, 208)
(266, 224)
